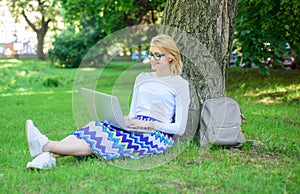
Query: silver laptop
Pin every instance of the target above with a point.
(105, 107)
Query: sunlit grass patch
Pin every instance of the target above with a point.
(280, 86)
(277, 94)
(25, 76)
(10, 63)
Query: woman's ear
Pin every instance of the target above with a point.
(170, 60)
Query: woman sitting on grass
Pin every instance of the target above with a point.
(160, 102)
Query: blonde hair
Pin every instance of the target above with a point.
(167, 46)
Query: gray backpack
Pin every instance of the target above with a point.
(220, 122)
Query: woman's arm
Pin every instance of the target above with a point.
(182, 101)
(132, 110)
(181, 114)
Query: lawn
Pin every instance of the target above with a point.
(38, 91)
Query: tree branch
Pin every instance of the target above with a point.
(29, 22)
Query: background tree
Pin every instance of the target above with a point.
(212, 24)
(114, 14)
(96, 19)
(38, 14)
(265, 26)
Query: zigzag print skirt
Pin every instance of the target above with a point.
(111, 143)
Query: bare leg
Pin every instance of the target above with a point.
(70, 146)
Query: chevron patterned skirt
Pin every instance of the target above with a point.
(111, 143)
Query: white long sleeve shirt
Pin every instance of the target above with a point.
(166, 99)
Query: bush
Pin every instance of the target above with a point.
(70, 47)
(68, 50)
(51, 82)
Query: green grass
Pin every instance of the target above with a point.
(36, 90)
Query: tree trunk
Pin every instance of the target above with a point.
(204, 33)
(40, 33)
(40, 46)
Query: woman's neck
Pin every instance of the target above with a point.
(163, 73)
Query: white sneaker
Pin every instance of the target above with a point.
(42, 161)
(36, 140)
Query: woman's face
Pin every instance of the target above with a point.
(160, 64)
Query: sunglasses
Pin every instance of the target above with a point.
(156, 56)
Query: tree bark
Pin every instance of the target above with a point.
(204, 33)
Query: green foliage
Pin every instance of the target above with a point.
(70, 47)
(264, 27)
(39, 15)
(43, 10)
(114, 14)
(51, 81)
(90, 21)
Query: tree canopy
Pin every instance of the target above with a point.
(264, 27)
(114, 14)
(95, 19)
(38, 15)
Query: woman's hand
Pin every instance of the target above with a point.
(134, 123)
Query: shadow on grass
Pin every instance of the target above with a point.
(272, 97)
